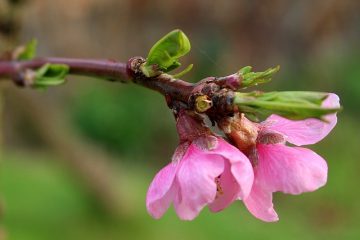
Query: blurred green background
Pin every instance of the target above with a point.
(76, 160)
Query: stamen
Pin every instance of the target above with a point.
(219, 190)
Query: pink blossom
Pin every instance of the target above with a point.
(291, 170)
(205, 170)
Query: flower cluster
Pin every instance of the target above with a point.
(207, 170)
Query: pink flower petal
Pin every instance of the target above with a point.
(196, 178)
(308, 131)
(241, 168)
(259, 203)
(161, 191)
(227, 190)
(291, 170)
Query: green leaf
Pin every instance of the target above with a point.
(166, 52)
(183, 72)
(289, 104)
(245, 70)
(29, 51)
(50, 75)
(254, 78)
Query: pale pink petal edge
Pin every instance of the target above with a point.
(161, 191)
(308, 131)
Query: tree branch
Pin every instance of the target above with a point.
(172, 89)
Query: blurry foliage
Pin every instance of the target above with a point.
(346, 79)
(127, 120)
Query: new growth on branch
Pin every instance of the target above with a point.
(249, 165)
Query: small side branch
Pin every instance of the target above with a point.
(109, 69)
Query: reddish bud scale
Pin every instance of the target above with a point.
(240, 130)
